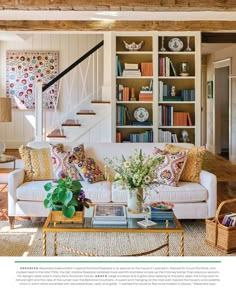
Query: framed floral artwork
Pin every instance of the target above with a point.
(23, 70)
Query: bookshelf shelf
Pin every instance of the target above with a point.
(177, 77)
(181, 102)
(134, 126)
(177, 53)
(133, 52)
(135, 102)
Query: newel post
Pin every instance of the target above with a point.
(39, 111)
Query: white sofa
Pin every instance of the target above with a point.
(191, 200)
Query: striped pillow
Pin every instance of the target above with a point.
(38, 164)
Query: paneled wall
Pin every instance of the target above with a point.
(70, 46)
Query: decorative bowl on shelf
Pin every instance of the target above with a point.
(162, 206)
(133, 46)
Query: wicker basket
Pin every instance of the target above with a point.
(218, 235)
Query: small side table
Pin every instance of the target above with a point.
(8, 159)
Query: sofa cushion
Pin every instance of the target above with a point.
(62, 166)
(37, 162)
(170, 168)
(90, 171)
(77, 154)
(97, 192)
(193, 164)
(185, 192)
(34, 191)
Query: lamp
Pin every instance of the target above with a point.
(5, 116)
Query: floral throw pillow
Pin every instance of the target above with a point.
(170, 168)
(194, 161)
(90, 171)
(77, 154)
(61, 165)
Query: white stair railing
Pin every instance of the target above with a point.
(69, 92)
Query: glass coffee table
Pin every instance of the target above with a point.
(164, 227)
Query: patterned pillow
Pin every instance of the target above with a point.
(61, 164)
(77, 154)
(170, 168)
(38, 165)
(90, 171)
(193, 164)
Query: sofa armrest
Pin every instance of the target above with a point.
(209, 181)
(15, 179)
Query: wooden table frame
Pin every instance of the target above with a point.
(47, 228)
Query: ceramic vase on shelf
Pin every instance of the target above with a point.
(135, 201)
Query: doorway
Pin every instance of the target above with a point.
(222, 107)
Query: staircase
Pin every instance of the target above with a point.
(85, 116)
(85, 120)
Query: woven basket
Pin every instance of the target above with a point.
(218, 235)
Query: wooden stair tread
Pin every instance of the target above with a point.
(100, 101)
(56, 133)
(71, 122)
(86, 112)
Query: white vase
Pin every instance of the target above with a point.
(135, 198)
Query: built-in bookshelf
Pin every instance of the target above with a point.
(134, 88)
(162, 77)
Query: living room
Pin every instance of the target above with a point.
(63, 36)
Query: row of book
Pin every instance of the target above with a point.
(169, 117)
(165, 93)
(133, 70)
(229, 220)
(146, 136)
(167, 136)
(123, 116)
(123, 94)
(166, 67)
(159, 215)
(187, 94)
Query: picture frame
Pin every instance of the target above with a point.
(210, 89)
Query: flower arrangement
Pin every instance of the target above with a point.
(65, 195)
(136, 171)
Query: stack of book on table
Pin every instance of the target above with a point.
(162, 215)
(109, 215)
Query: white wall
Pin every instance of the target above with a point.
(228, 52)
(70, 46)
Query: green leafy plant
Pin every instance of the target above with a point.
(65, 195)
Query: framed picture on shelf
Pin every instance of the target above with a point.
(210, 89)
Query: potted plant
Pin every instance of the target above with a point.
(66, 195)
(136, 174)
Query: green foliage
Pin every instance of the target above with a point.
(65, 195)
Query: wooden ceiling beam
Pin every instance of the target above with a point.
(218, 37)
(204, 26)
(124, 5)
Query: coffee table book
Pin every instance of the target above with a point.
(109, 215)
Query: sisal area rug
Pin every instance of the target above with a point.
(26, 240)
